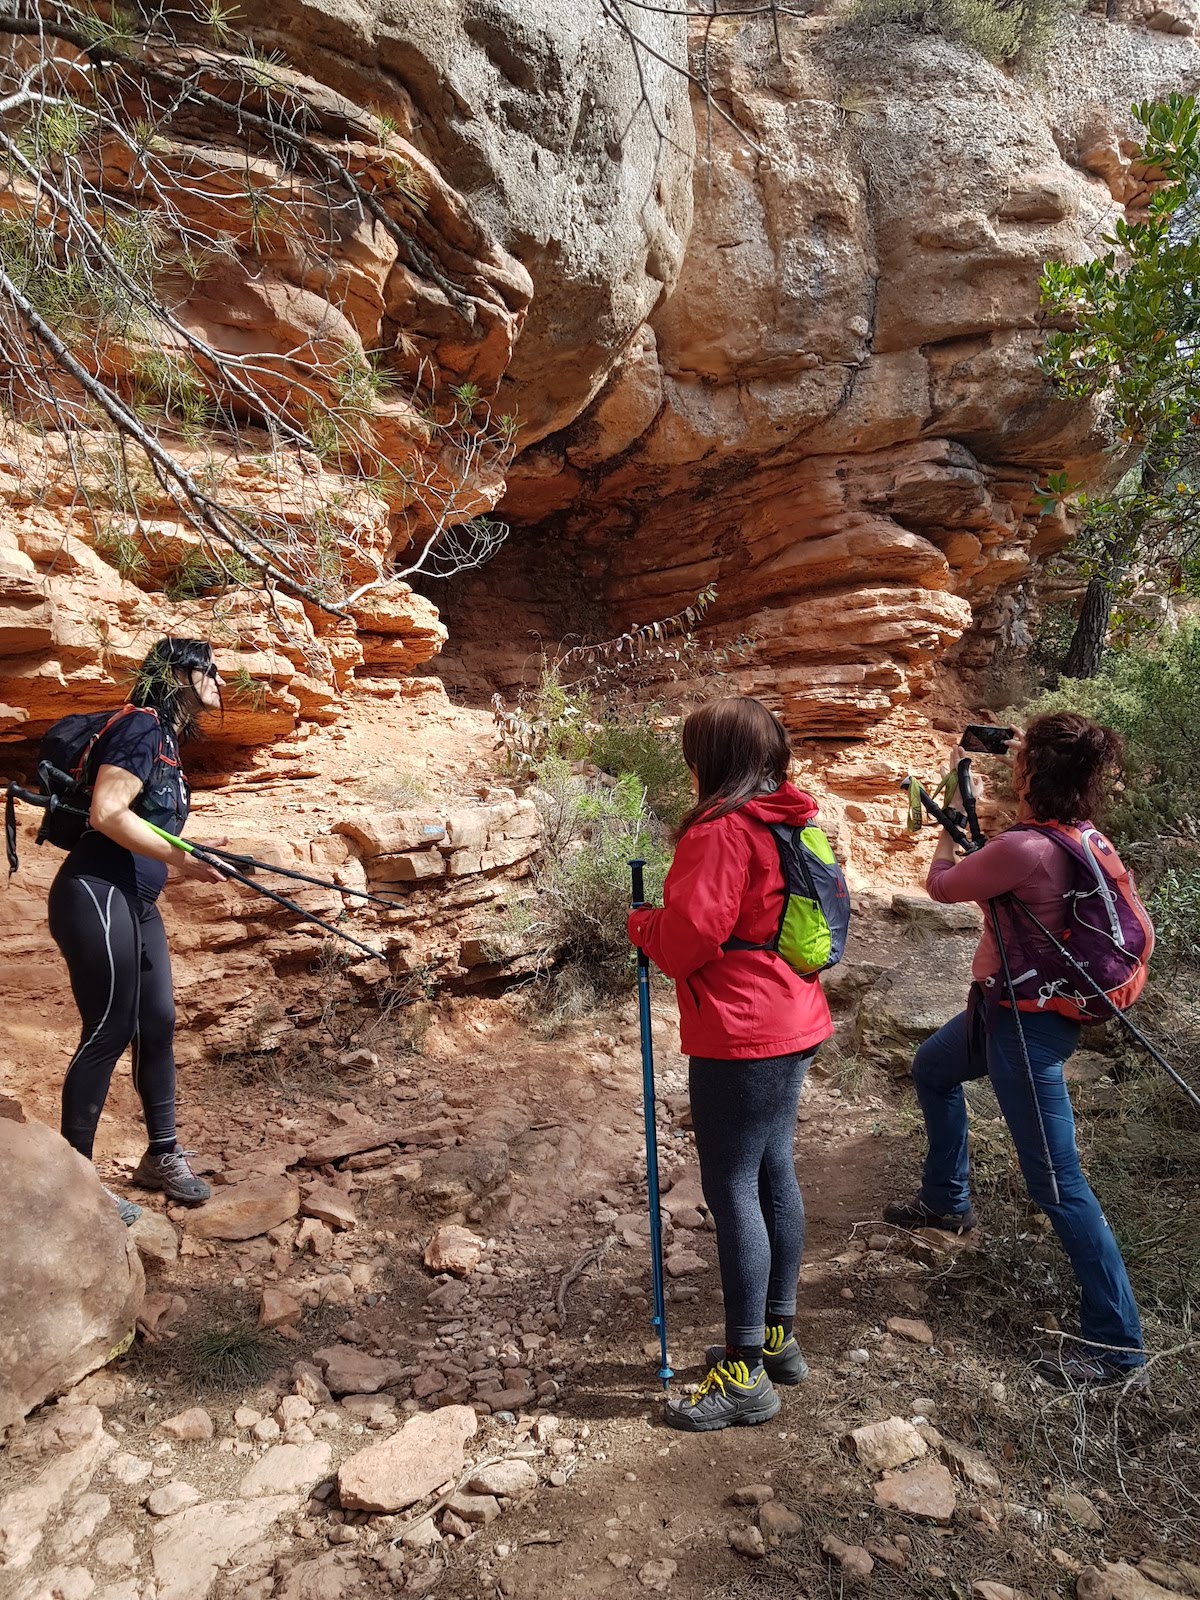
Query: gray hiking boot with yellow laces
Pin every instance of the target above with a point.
(173, 1176)
(729, 1396)
(783, 1362)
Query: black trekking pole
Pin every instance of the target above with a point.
(253, 864)
(223, 867)
(966, 790)
(1130, 1027)
(659, 1319)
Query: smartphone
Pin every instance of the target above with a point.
(986, 739)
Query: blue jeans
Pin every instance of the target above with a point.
(1108, 1312)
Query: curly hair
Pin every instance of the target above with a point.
(1067, 760)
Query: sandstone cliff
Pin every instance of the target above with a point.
(796, 360)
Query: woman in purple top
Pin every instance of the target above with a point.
(1059, 775)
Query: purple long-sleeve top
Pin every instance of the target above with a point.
(1025, 864)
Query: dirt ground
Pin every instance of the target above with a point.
(544, 1140)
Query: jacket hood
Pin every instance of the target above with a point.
(787, 804)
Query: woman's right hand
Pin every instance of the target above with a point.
(197, 871)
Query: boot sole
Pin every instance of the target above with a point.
(744, 1421)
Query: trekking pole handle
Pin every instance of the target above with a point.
(638, 868)
(966, 790)
(945, 818)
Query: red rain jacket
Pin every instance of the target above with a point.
(725, 881)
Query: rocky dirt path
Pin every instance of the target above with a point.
(449, 1258)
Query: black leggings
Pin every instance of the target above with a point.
(744, 1116)
(115, 948)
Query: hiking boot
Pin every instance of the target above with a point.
(913, 1214)
(785, 1365)
(127, 1210)
(173, 1176)
(1075, 1369)
(729, 1396)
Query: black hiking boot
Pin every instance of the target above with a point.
(914, 1213)
(730, 1396)
(1076, 1369)
(173, 1176)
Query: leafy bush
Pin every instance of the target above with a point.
(1149, 694)
(1002, 30)
(652, 753)
(592, 831)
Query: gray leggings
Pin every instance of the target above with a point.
(744, 1116)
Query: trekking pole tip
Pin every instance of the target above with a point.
(665, 1375)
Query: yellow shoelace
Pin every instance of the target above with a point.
(774, 1341)
(735, 1371)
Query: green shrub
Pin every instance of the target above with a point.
(576, 921)
(1002, 30)
(1149, 693)
(653, 754)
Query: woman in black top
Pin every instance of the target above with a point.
(104, 918)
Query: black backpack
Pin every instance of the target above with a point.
(64, 779)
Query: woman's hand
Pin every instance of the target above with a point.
(197, 871)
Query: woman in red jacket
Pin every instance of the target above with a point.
(751, 1027)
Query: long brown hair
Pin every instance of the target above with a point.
(738, 750)
(1067, 760)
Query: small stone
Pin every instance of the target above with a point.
(156, 1240)
(117, 1551)
(245, 1210)
(266, 1431)
(859, 1357)
(986, 1589)
(925, 1491)
(453, 1527)
(857, 1566)
(967, 1463)
(1078, 1507)
(129, 1470)
(778, 1521)
(314, 1237)
(657, 1575)
(752, 1494)
(191, 1426)
(475, 1508)
(293, 1408)
(409, 1463)
(455, 1250)
(246, 1417)
(682, 1263)
(882, 1445)
(170, 1498)
(509, 1478)
(888, 1552)
(910, 1328)
(328, 1205)
(286, 1468)
(423, 1536)
(275, 1308)
(748, 1542)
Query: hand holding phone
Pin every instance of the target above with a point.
(986, 738)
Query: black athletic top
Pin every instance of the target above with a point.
(140, 744)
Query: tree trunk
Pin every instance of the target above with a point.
(1086, 651)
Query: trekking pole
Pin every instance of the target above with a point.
(659, 1319)
(1131, 1027)
(966, 790)
(253, 864)
(280, 900)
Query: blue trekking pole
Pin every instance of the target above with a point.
(659, 1319)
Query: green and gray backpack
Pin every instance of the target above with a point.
(816, 902)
